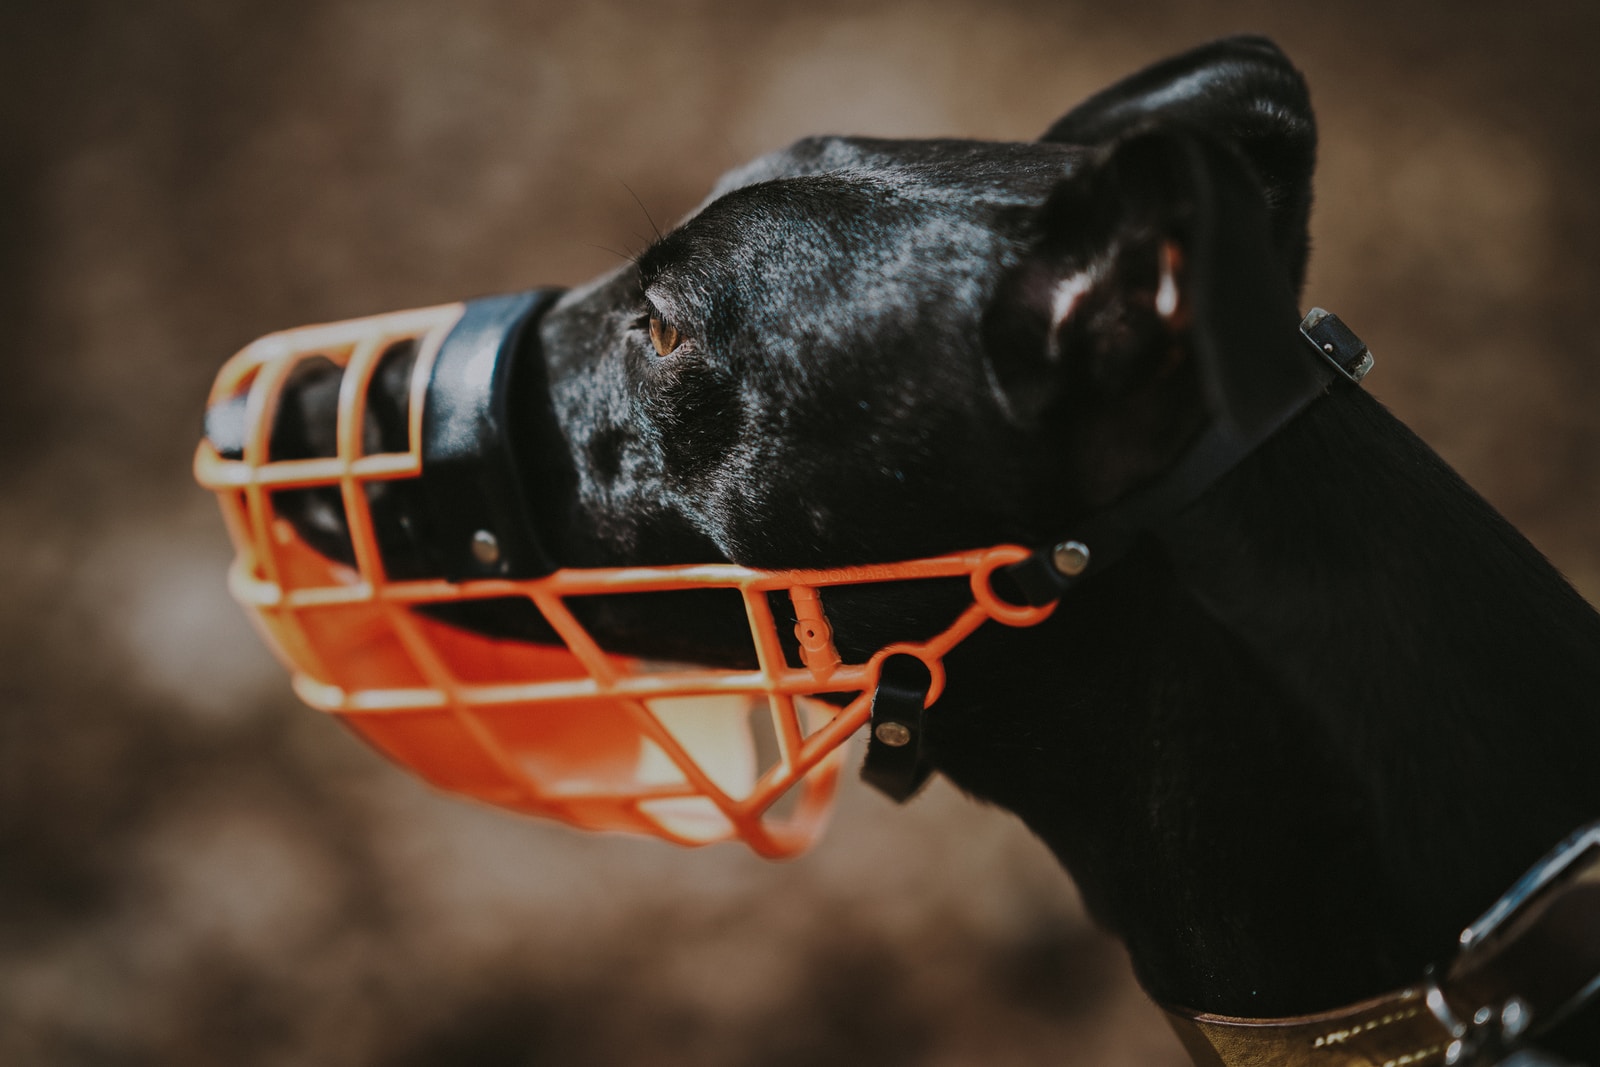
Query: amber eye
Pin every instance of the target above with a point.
(664, 336)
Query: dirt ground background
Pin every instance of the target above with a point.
(196, 870)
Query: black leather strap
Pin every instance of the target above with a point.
(479, 520)
(1108, 535)
(897, 764)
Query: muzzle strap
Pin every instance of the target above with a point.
(897, 763)
(1100, 540)
(479, 519)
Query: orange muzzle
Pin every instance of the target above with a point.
(689, 753)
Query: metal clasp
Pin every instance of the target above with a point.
(1337, 343)
(1548, 908)
(1489, 1037)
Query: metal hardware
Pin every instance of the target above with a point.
(1514, 1018)
(893, 734)
(1337, 343)
(1563, 857)
(1434, 998)
(1071, 558)
(1493, 1034)
(485, 548)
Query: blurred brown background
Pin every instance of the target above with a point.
(195, 870)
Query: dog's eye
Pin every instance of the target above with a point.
(664, 336)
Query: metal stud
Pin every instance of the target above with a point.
(485, 548)
(1514, 1018)
(893, 734)
(1071, 558)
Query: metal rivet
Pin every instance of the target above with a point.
(1328, 348)
(1514, 1017)
(893, 734)
(485, 548)
(1070, 558)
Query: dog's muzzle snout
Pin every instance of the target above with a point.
(375, 488)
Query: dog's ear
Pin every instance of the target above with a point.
(1150, 302)
(1241, 90)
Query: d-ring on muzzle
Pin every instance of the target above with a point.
(340, 545)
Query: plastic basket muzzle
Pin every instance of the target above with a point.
(597, 740)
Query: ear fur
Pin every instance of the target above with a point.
(1240, 90)
(1155, 257)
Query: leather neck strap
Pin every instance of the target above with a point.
(1396, 1030)
(1526, 965)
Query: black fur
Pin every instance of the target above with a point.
(1291, 745)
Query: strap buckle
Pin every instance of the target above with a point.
(1530, 961)
(1337, 343)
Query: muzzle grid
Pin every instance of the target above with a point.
(573, 732)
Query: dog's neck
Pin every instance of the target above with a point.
(1291, 751)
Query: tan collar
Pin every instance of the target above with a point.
(1524, 966)
(1396, 1030)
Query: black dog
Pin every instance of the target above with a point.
(1303, 732)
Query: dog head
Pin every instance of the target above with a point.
(855, 351)
(863, 350)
